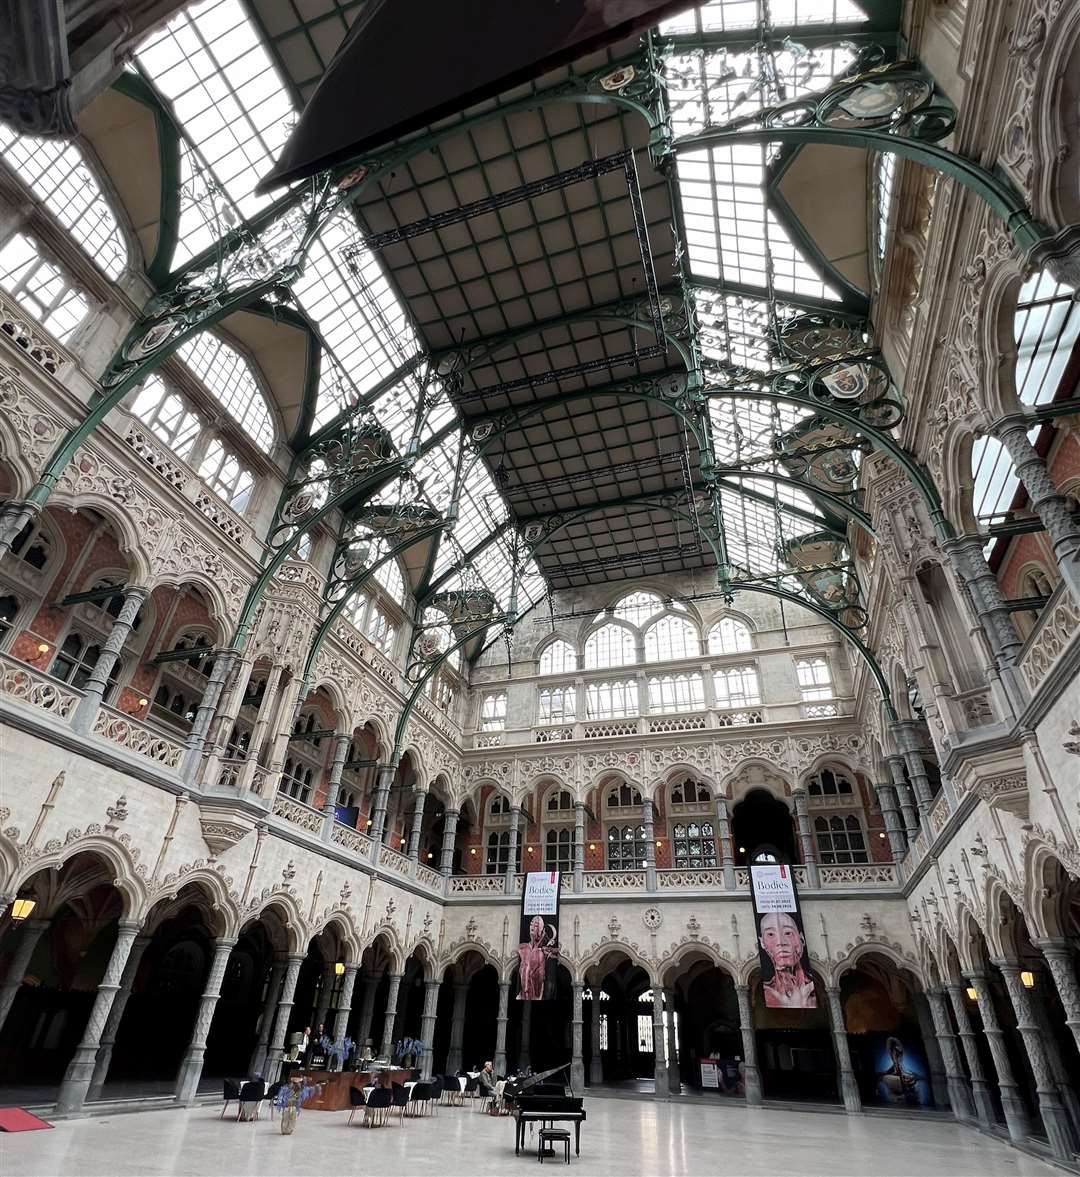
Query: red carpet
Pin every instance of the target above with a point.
(17, 1120)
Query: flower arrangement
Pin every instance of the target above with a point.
(409, 1051)
(337, 1052)
(290, 1098)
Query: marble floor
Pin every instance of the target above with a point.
(620, 1138)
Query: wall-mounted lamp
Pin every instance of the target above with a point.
(43, 647)
(369, 823)
(21, 909)
(742, 849)
(339, 969)
(430, 855)
(592, 845)
(658, 843)
(1027, 979)
(528, 850)
(472, 849)
(143, 702)
(972, 993)
(881, 835)
(402, 842)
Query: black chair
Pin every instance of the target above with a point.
(399, 1099)
(253, 1091)
(472, 1085)
(356, 1100)
(379, 1102)
(436, 1093)
(271, 1095)
(420, 1097)
(452, 1089)
(552, 1136)
(230, 1090)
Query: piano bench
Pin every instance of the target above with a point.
(550, 1136)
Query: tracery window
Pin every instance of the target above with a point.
(637, 608)
(560, 802)
(557, 704)
(617, 699)
(840, 840)
(380, 631)
(610, 645)
(499, 806)
(626, 847)
(493, 712)
(828, 783)
(498, 853)
(736, 686)
(33, 545)
(41, 288)
(558, 657)
(9, 610)
(671, 638)
(815, 681)
(729, 636)
(75, 660)
(298, 780)
(559, 849)
(57, 174)
(622, 796)
(166, 414)
(222, 472)
(676, 692)
(442, 693)
(693, 844)
(228, 377)
(690, 792)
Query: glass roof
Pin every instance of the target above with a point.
(229, 376)
(735, 15)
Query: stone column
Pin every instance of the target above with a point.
(31, 933)
(849, 1088)
(806, 837)
(525, 1054)
(890, 811)
(191, 1066)
(257, 1065)
(417, 826)
(650, 844)
(511, 859)
(1060, 962)
(577, 1058)
(903, 792)
(499, 1061)
(326, 992)
(959, 1096)
(446, 854)
(81, 1068)
(116, 1014)
(13, 518)
(1054, 1116)
(579, 846)
(198, 737)
(333, 785)
(344, 1007)
(367, 1010)
(457, 1027)
(1052, 1046)
(384, 778)
(939, 1087)
(391, 1016)
(1046, 500)
(980, 1085)
(596, 1062)
(1016, 1117)
(276, 1049)
(427, 1026)
(94, 691)
(723, 835)
(907, 743)
(660, 1079)
(269, 705)
(673, 1075)
(749, 1041)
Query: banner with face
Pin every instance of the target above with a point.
(786, 978)
(538, 936)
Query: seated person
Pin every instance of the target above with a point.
(492, 1086)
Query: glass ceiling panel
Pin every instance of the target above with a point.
(755, 531)
(732, 15)
(1046, 327)
(228, 376)
(58, 176)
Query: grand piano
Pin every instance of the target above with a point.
(535, 1100)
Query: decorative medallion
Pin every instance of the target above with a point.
(617, 79)
(651, 918)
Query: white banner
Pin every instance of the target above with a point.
(541, 893)
(774, 888)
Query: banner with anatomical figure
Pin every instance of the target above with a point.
(786, 979)
(538, 936)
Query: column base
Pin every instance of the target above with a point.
(596, 1072)
(1016, 1115)
(77, 1079)
(577, 1075)
(849, 1089)
(752, 1084)
(960, 1099)
(660, 1082)
(984, 1103)
(101, 1070)
(272, 1066)
(258, 1060)
(1056, 1122)
(187, 1078)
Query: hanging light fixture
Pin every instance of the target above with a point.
(339, 969)
(972, 993)
(1027, 979)
(22, 908)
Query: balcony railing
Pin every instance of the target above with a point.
(28, 686)
(137, 737)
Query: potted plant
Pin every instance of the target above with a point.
(290, 1098)
(408, 1051)
(337, 1052)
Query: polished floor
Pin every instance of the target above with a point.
(621, 1137)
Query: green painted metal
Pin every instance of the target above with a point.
(357, 586)
(1027, 233)
(837, 502)
(134, 86)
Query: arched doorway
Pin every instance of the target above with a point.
(762, 819)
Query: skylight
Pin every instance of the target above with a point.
(57, 174)
(731, 15)
(228, 376)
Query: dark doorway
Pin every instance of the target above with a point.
(761, 819)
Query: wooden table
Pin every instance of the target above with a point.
(333, 1096)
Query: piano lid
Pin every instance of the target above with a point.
(405, 64)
